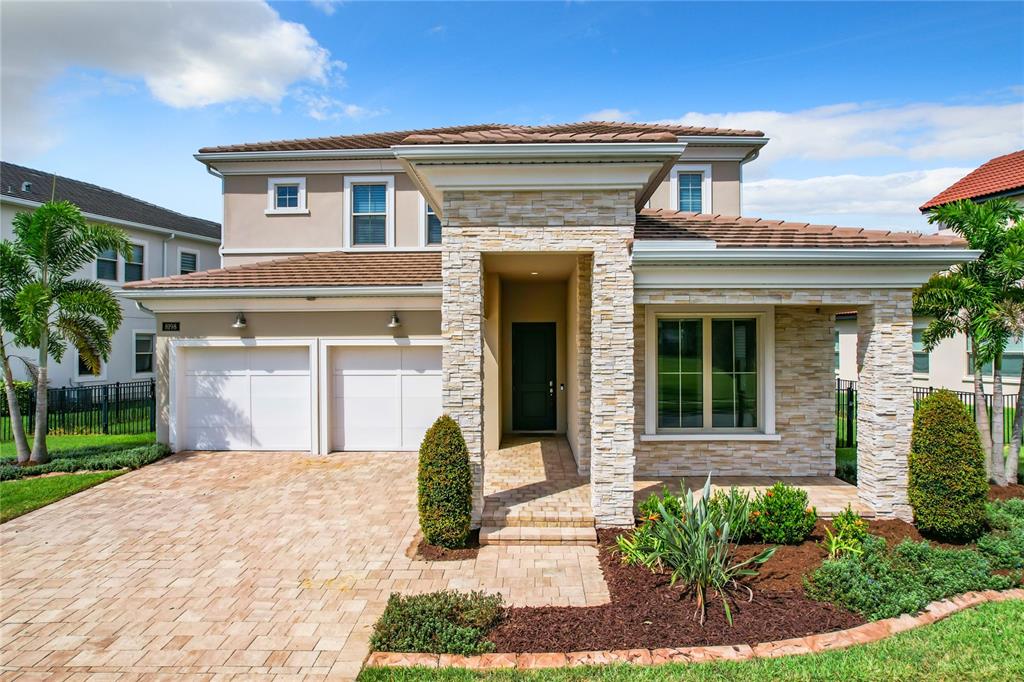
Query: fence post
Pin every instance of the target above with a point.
(152, 404)
(851, 403)
(106, 408)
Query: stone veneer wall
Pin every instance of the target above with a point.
(804, 410)
(590, 222)
(885, 400)
(584, 267)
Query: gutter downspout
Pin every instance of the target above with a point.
(210, 169)
(164, 254)
(751, 156)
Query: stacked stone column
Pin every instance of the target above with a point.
(885, 403)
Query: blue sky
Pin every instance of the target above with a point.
(871, 107)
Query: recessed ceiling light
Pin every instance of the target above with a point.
(534, 273)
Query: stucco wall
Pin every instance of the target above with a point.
(725, 189)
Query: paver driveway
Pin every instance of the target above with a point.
(220, 563)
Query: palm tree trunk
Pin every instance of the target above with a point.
(981, 413)
(998, 461)
(39, 453)
(1013, 459)
(13, 408)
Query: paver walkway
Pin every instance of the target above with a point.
(207, 564)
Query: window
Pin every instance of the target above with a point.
(920, 354)
(286, 196)
(106, 265)
(433, 227)
(837, 350)
(144, 353)
(1013, 359)
(188, 261)
(690, 188)
(134, 267)
(84, 372)
(707, 373)
(369, 215)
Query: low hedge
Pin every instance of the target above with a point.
(99, 458)
(879, 583)
(1004, 543)
(445, 622)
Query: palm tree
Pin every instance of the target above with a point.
(972, 298)
(14, 269)
(52, 308)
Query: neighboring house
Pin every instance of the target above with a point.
(163, 243)
(594, 280)
(948, 365)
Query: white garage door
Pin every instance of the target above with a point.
(384, 398)
(247, 399)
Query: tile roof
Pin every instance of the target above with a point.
(335, 268)
(734, 232)
(1001, 174)
(99, 200)
(589, 131)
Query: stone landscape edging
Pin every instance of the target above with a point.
(826, 641)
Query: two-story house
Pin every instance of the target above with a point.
(163, 243)
(597, 281)
(948, 365)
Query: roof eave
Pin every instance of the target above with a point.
(149, 293)
(663, 253)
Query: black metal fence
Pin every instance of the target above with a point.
(846, 410)
(123, 407)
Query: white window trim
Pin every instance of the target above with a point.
(143, 375)
(706, 203)
(765, 316)
(272, 209)
(79, 378)
(195, 252)
(118, 271)
(925, 375)
(389, 230)
(423, 225)
(124, 262)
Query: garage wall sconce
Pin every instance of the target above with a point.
(395, 323)
(240, 322)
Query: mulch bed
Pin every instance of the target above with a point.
(1005, 492)
(646, 612)
(423, 551)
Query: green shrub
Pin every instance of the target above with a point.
(782, 515)
(437, 623)
(649, 507)
(697, 545)
(881, 584)
(1005, 514)
(23, 391)
(445, 491)
(1004, 544)
(99, 458)
(849, 524)
(948, 486)
(847, 472)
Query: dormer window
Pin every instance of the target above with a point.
(690, 188)
(369, 211)
(430, 225)
(286, 196)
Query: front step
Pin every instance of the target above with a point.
(526, 518)
(537, 535)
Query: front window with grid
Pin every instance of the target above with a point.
(286, 196)
(433, 227)
(690, 186)
(144, 353)
(106, 265)
(1012, 364)
(134, 267)
(707, 373)
(369, 215)
(921, 361)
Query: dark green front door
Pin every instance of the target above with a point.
(533, 376)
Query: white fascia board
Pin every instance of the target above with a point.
(784, 276)
(96, 217)
(661, 253)
(538, 151)
(288, 305)
(282, 292)
(724, 140)
(212, 157)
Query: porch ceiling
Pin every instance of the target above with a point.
(531, 266)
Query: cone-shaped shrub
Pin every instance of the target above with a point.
(445, 485)
(947, 470)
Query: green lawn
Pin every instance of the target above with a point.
(21, 497)
(985, 643)
(58, 443)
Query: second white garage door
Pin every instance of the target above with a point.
(384, 398)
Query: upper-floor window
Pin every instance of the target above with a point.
(690, 186)
(286, 195)
(135, 265)
(106, 265)
(433, 227)
(921, 361)
(188, 261)
(369, 211)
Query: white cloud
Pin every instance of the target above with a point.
(437, 30)
(610, 115)
(188, 56)
(323, 107)
(888, 201)
(846, 131)
(328, 7)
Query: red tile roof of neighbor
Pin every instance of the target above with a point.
(588, 131)
(735, 232)
(1001, 174)
(412, 268)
